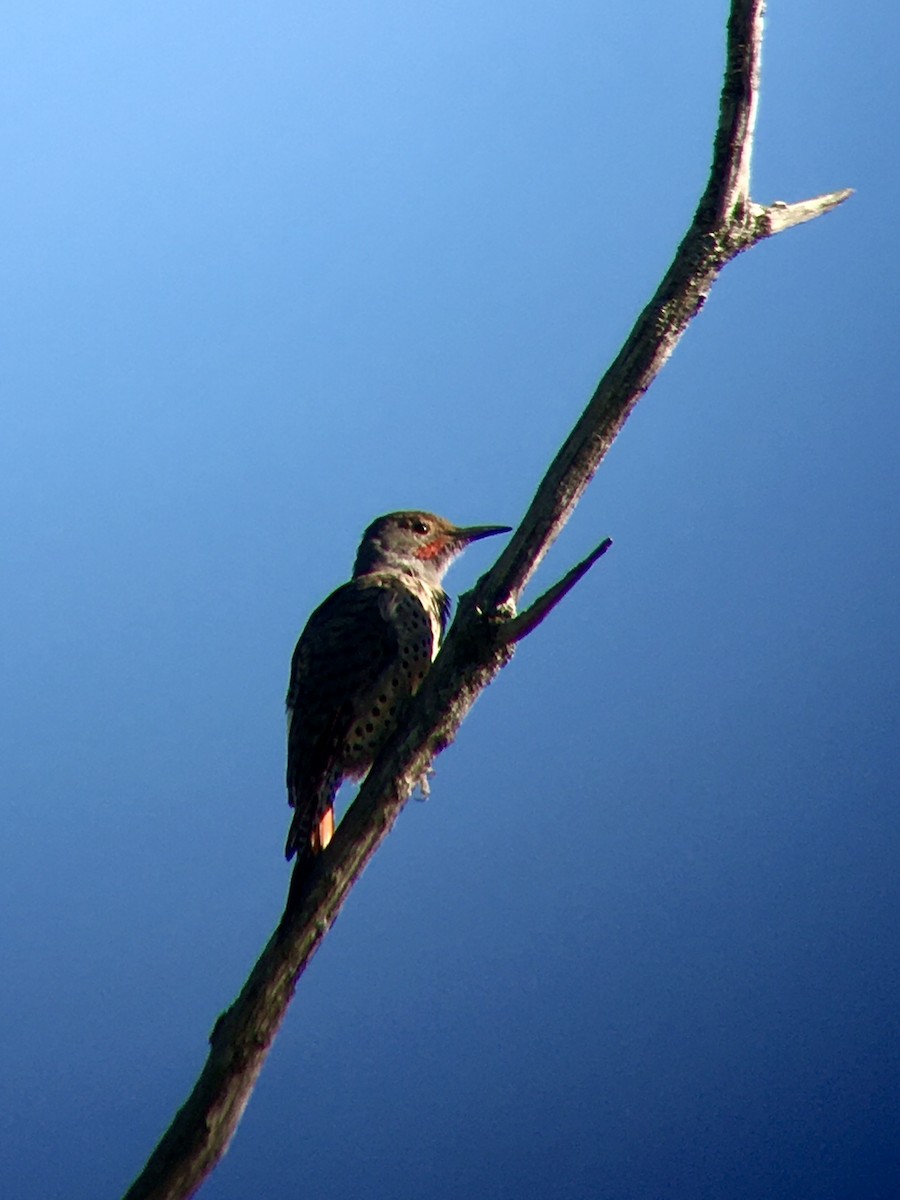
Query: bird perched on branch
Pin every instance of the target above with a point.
(363, 654)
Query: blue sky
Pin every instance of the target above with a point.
(270, 270)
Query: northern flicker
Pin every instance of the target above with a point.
(363, 653)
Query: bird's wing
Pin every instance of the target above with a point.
(347, 644)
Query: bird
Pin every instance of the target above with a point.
(362, 654)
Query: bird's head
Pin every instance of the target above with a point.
(417, 542)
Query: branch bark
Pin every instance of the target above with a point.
(481, 638)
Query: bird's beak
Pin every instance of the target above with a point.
(474, 532)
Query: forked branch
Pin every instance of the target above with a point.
(480, 641)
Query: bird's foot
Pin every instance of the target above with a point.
(422, 789)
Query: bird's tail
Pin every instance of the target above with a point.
(307, 838)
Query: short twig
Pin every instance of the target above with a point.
(518, 627)
(780, 216)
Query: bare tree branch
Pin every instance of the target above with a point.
(480, 641)
(729, 177)
(724, 225)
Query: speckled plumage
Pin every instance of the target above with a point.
(363, 654)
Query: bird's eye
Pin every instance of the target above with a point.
(420, 527)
